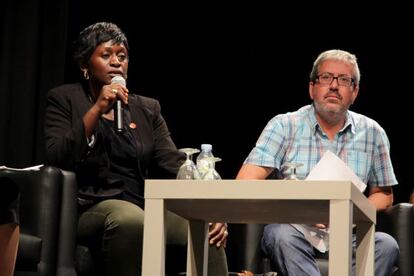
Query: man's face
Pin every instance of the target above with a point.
(334, 91)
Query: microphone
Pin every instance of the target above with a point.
(118, 112)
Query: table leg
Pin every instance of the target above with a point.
(340, 237)
(153, 259)
(365, 254)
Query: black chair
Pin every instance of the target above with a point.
(47, 221)
(398, 221)
(48, 245)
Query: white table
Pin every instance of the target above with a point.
(338, 203)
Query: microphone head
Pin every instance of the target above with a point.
(119, 79)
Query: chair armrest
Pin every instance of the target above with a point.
(68, 225)
(48, 221)
(398, 221)
(39, 211)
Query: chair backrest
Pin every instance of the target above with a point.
(398, 221)
(47, 221)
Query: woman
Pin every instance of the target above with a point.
(111, 166)
(9, 225)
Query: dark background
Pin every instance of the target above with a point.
(220, 71)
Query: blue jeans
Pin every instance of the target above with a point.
(291, 254)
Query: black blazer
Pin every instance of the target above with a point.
(67, 145)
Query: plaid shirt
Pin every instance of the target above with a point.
(297, 137)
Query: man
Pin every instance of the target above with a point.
(302, 137)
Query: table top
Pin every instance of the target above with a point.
(259, 201)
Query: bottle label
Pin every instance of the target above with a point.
(203, 166)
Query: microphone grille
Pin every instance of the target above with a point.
(119, 79)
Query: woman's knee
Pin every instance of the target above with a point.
(115, 215)
(123, 215)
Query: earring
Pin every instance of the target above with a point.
(85, 74)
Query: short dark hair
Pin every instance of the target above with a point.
(94, 35)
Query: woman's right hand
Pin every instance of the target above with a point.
(109, 94)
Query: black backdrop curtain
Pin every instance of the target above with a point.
(220, 72)
(32, 54)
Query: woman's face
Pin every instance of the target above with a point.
(107, 61)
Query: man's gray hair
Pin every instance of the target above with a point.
(339, 55)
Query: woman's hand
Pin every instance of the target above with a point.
(103, 105)
(217, 234)
(109, 94)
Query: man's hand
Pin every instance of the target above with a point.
(381, 197)
(217, 234)
(321, 226)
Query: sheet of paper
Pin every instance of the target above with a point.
(34, 168)
(319, 238)
(331, 167)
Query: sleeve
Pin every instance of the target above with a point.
(167, 158)
(382, 172)
(66, 142)
(270, 147)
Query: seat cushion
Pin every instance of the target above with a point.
(29, 251)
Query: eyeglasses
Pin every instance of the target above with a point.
(327, 78)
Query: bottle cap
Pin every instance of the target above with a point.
(206, 147)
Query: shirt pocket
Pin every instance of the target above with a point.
(360, 163)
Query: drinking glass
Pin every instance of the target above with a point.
(211, 171)
(291, 166)
(188, 169)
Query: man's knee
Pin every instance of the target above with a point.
(278, 236)
(386, 245)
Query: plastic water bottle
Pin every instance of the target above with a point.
(204, 159)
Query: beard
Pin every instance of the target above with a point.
(331, 113)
